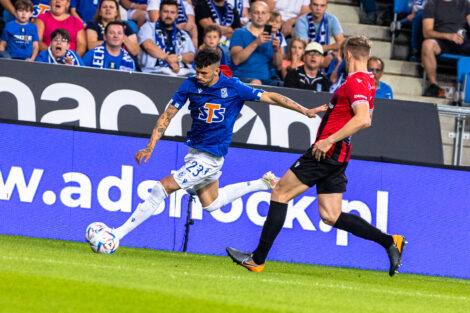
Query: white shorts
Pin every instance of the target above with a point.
(200, 169)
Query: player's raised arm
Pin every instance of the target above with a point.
(157, 133)
(285, 102)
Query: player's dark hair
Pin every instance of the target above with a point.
(377, 59)
(60, 32)
(114, 23)
(24, 5)
(213, 28)
(207, 57)
(168, 2)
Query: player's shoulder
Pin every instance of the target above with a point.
(360, 79)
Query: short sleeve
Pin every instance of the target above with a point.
(301, 27)
(88, 58)
(92, 25)
(306, 2)
(128, 30)
(34, 32)
(236, 20)
(145, 32)
(357, 92)
(247, 93)
(189, 8)
(428, 11)
(181, 95)
(202, 11)
(335, 26)
(153, 5)
(73, 3)
(42, 57)
(188, 44)
(291, 80)
(237, 39)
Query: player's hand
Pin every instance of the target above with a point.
(143, 154)
(262, 38)
(321, 148)
(457, 38)
(313, 112)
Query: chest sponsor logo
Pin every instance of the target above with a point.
(211, 113)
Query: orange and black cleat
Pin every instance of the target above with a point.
(244, 259)
(394, 253)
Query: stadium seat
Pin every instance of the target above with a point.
(463, 80)
(399, 7)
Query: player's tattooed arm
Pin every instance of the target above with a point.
(160, 127)
(285, 102)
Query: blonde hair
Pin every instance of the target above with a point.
(359, 46)
(273, 16)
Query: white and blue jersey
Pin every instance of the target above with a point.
(214, 111)
(99, 57)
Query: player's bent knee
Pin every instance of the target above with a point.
(329, 217)
(215, 205)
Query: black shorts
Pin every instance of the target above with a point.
(329, 176)
(451, 47)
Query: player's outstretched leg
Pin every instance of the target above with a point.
(230, 193)
(143, 211)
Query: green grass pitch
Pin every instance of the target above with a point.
(39, 275)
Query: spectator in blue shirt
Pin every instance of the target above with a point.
(253, 51)
(319, 26)
(20, 37)
(376, 66)
(110, 54)
(58, 52)
(84, 9)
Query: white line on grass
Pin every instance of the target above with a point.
(231, 278)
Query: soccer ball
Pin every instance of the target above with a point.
(92, 229)
(104, 241)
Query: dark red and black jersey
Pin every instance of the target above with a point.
(358, 87)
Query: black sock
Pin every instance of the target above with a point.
(271, 228)
(357, 226)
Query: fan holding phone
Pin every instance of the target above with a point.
(255, 53)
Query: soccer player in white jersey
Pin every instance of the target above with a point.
(215, 102)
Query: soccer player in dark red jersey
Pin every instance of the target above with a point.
(325, 162)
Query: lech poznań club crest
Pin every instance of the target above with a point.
(223, 93)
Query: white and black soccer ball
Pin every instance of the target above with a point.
(92, 229)
(104, 241)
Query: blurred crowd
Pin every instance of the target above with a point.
(291, 43)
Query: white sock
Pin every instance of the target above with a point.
(232, 192)
(143, 211)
